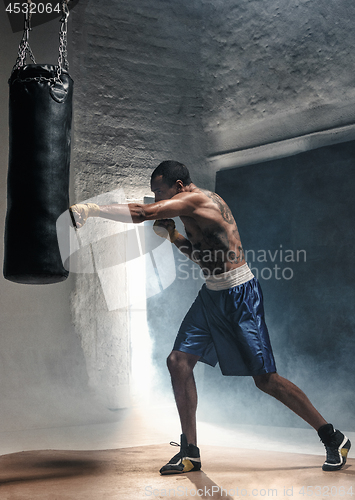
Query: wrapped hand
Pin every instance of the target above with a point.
(165, 228)
(82, 211)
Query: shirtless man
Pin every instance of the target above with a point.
(226, 321)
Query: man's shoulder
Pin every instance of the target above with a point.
(218, 204)
(209, 194)
(196, 196)
(212, 196)
(199, 201)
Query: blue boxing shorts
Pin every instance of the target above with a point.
(228, 326)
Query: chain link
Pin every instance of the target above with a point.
(25, 49)
(40, 79)
(63, 63)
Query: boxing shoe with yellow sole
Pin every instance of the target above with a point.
(337, 447)
(187, 460)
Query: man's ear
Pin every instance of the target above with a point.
(179, 185)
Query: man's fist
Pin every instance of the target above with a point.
(81, 212)
(165, 228)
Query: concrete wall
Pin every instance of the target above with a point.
(137, 103)
(138, 92)
(275, 70)
(276, 81)
(279, 78)
(160, 80)
(57, 367)
(298, 245)
(43, 376)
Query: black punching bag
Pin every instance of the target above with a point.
(40, 116)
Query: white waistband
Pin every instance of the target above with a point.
(231, 278)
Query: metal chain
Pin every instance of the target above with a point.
(24, 47)
(63, 63)
(40, 79)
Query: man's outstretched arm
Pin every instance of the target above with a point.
(137, 213)
(181, 204)
(129, 212)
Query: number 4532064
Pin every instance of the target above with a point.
(32, 8)
(326, 491)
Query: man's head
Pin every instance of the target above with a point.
(168, 179)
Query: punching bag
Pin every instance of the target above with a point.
(40, 116)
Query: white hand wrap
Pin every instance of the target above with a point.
(82, 211)
(166, 229)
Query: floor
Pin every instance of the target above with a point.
(122, 460)
(132, 473)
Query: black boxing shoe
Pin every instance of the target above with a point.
(337, 446)
(187, 460)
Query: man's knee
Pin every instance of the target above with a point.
(172, 361)
(265, 382)
(179, 362)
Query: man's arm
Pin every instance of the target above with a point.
(180, 204)
(137, 213)
(165, 228)
(130, 212)
(185, 247)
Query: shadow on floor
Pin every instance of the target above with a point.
(26, 467)
(206, 488)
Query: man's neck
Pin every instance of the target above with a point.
(190, 187)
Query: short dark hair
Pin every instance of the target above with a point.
(172, 171)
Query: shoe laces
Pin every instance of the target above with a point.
(179, 454)
(332, 451)
(332, 454)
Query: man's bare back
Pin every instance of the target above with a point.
(213, 234)
(213, 240)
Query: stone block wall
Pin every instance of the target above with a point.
(156, 80)
(164, 80)
(275, 70)
(136, 68)
(138, 92)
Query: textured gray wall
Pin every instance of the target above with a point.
(137, 102)
(156, 80)
(138, 92)
(275, 69)
(44, 381)
(294, 216)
